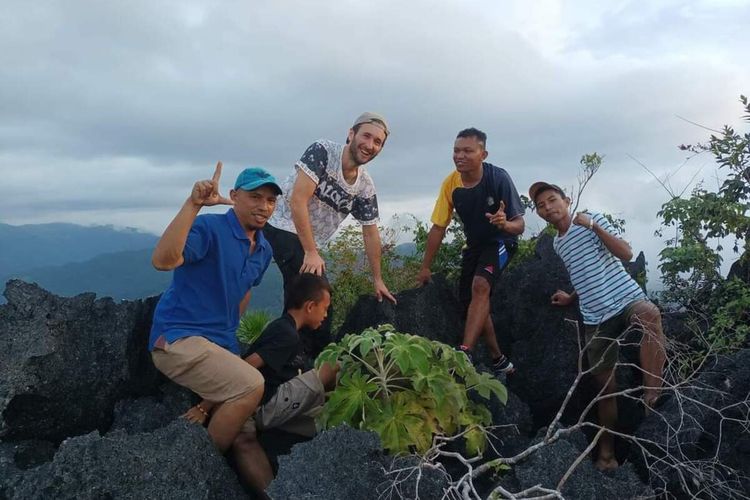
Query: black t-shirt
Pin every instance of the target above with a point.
(280, 341)
(281, 350)
(472, 203)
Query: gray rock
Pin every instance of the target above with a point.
(66, 361)
(514, 425)
(431, 311)
(10, 475)
(152, 412)
(541, 339)
(702, 427)
(344, 464)
(174, 462)
(548, 465)
(30, 454)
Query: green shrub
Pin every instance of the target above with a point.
(701, 223)
(349, 271)
(407, 389)
(252, 324)
(730, 322)
(447, 260)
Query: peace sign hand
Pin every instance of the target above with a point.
(498, 219)
(206, 193)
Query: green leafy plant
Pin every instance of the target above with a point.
(407, 389)
(447, 261)
(252, 324)
(350, 273)
(730, 322)
(690, 263)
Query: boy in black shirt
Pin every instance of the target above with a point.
(291, 396)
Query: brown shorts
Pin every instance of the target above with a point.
(207, 369)
(602, 340)
(293, 408)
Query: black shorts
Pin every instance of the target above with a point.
(488, 261)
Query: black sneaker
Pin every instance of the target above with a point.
(502, 367)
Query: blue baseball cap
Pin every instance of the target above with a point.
(254, 177)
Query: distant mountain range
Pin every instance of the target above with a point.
(69, 259)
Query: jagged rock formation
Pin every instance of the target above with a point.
(344, 464)
(549, 465)
(176, 461)
(431, 312)
(706, 428)
(66, 361)
(75, 371)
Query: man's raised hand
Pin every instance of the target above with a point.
(583, 219)
(206, 193)
(498, 219)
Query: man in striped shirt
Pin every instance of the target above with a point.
(611, 302)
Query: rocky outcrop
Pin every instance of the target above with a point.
(344, 464)
(431, 311)
(77, 365)
(699, 437)
(66, 361)
(177, 461)
(550, 463)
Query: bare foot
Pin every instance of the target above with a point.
(606, 463)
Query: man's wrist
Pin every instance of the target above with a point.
(192, 204)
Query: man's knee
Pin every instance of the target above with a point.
(244, 442)
(480, 288)
(646, 311)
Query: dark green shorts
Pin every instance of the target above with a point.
(602, 347)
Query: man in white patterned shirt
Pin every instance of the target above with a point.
(330, 182)
(611, 302)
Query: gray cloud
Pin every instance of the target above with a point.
(110, 111)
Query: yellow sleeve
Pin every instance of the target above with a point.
(441, 214)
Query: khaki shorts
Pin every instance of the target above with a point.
(207, 369)
(603, 347)
(293, 408)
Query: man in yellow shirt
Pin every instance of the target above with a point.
(491, 211)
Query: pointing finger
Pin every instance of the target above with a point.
(217, 173)
(501, 207)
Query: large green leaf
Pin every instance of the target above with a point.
(408, 351)
(400, 425)
(476, 441)
(330, 355)
(350, 401)
(485, 385)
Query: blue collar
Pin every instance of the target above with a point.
(239, 231)
(234, 223)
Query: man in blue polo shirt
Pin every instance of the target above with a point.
(217, 259)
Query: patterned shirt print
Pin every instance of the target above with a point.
(334, 199)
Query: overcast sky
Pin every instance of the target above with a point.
(109, 111)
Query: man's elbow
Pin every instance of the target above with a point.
(627, 255)
(161, 263)
(438, 230)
